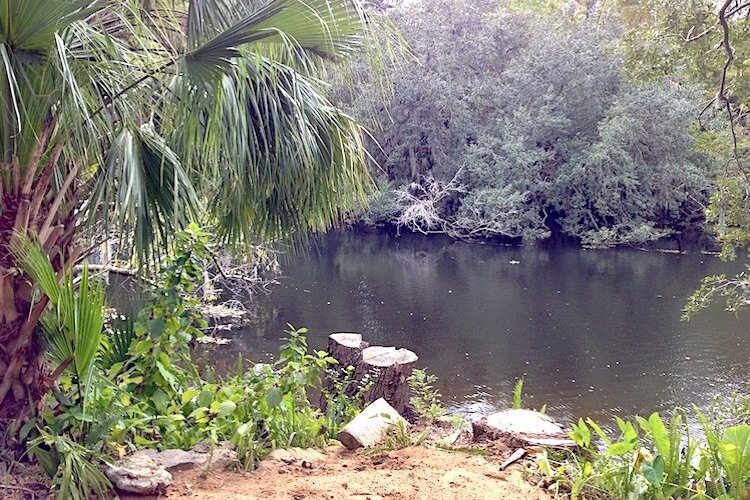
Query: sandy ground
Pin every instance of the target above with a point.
(413, 473)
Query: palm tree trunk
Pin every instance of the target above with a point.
(33, 207)
(22, 381)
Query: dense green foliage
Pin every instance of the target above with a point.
(653, 458)
(515, 124)
(137, 386)
(128, 120)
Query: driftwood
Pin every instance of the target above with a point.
(369, 427)
(384, 369)
(522, 428)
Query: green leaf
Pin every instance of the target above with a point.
(734, 450)
(205, 398)
(156, 327)
(189, 395)
(654, 472)
(659, 434)
(141, 347)
(141, 441)
(226, 408)
(168, 376)
(581, 434)
(24, 432)
(198, 412)
(273, 397)
(598, 430)
(245, 429)
(620, 448)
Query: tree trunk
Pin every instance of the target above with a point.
(346, 348)
(33, 206)
(369, 427)
(387, 368)
(22, 383)
(391, 368)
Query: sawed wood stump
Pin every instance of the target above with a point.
(390, 369)
(346, 348)
(387, 368)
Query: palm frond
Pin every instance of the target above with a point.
(218, 29)
(36, 264)
(74, 322)
(158, 110)
(114, 348)
(145, 187)
(31, 25)
(276, 153)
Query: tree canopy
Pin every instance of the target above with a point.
(521, 124)
(149, 114)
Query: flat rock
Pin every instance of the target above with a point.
(523, 422)
(217, 457)
(180, 459)
(523, 428)
(138, 474)
(206, 455)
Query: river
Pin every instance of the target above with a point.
(592, 332)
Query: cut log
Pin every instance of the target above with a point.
(389, 368)
(346, 349)
(368, 429)
(522, 428)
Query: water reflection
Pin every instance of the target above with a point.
(592, 332)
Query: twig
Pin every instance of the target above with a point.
(722, 95)
(516, 456)
(18, 488)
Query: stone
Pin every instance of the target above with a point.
(219, 457)
(138, 474)
(523, 422)
(204, 454)
(173, 460)
(281, 455)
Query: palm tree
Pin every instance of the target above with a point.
(149, 113)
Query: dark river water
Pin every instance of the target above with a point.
(592, 332)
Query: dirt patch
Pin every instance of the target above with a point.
(412, 473)
(23, 481)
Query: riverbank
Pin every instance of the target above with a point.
(336, 473)
(412, 473)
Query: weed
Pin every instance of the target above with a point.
(518, 394)
(397, 436)
(425, 399)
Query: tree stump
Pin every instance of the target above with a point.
(346, 348)
(369, 427)
(522, 428)
(390, 369)
(386, 368)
